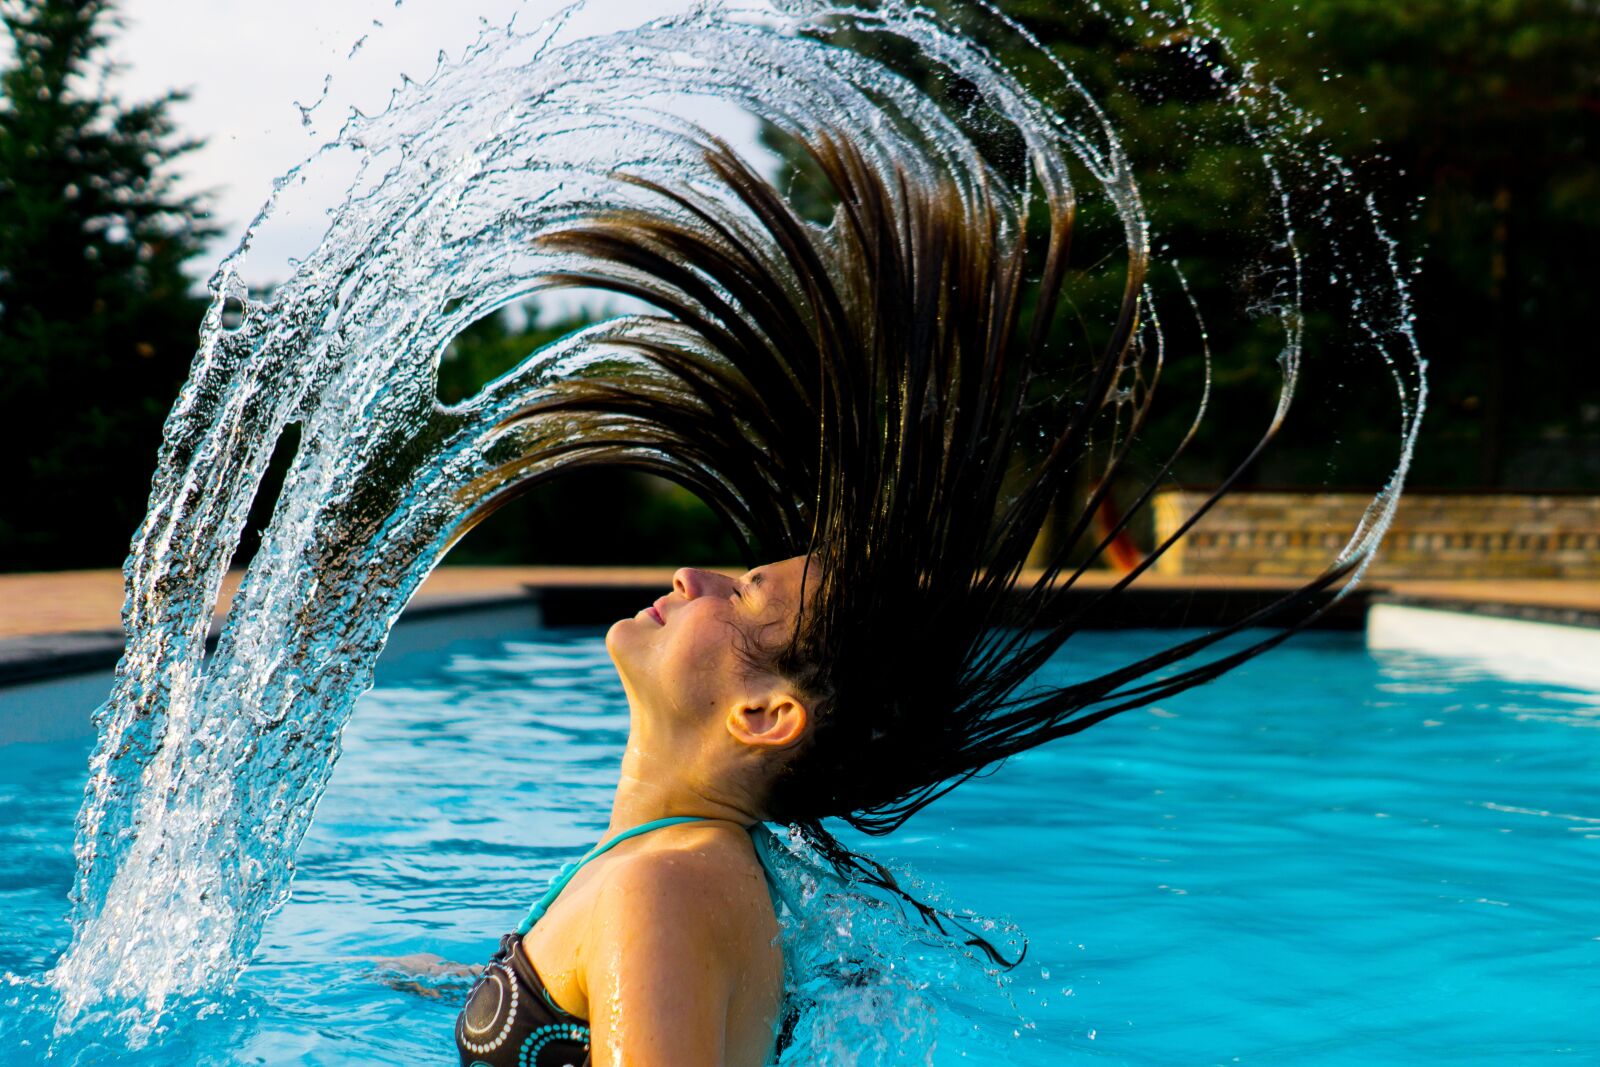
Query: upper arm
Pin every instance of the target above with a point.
(660, 965)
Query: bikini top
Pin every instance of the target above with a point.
(510, 1019)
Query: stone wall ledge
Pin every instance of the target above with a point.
(1434, 535)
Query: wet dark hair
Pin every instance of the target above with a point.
(865, 392)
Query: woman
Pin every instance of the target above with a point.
(860, 401)
(663, 950)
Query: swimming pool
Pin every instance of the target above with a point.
(1331, 856)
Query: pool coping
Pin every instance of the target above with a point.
(562, 596)
(1549, 614)
(39, 657)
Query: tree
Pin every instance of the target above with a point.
(1488, 112)
(1484, 111)
(97, 322)
(588, 517)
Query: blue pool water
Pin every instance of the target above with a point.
(1332, 856)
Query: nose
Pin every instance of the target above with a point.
(692, 582)
(688, 582)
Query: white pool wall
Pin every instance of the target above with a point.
(1518, 649)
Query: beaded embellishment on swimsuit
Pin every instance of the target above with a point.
(510, 1019)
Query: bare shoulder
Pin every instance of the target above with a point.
(683, 944)
(707, 880)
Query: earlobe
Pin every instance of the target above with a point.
(778, 722)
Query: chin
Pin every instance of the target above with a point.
(618, 636)
(614, 634)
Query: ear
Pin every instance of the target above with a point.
(776, 722)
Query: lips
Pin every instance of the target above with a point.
(656, 612)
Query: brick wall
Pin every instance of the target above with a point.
(1434, 535)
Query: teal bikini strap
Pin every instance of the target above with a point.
(566, 874)
(766, 845)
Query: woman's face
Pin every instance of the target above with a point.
(680, 658)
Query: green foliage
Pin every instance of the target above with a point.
(589, 517)
(602, 517)
(1488, 112)
(97, 325)
(1483, 111)
(489, 348)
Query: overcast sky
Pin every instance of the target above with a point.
(247, 62)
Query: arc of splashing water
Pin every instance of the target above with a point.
(208, 768)
(190, 756)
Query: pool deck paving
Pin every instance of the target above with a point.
(65, 621)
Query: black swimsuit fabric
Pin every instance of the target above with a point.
(510, 1021)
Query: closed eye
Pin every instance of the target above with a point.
(755, 579)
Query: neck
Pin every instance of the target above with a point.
(655, 786)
